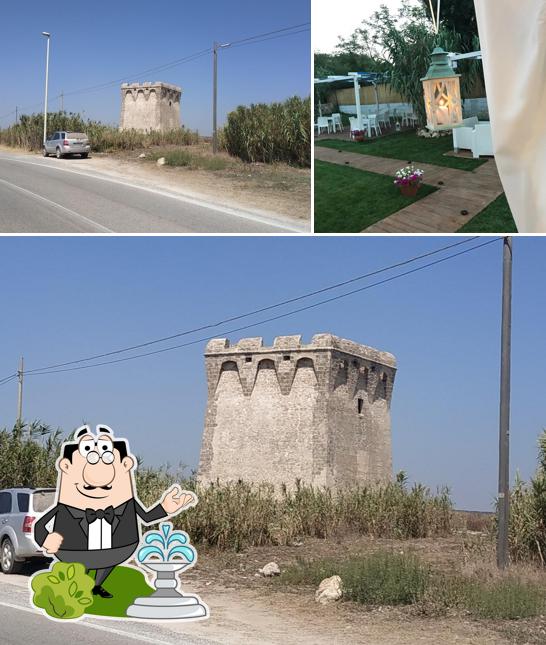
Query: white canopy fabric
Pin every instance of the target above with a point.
(513, 44)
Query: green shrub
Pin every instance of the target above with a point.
(270, 133)
(64, 591)
(376, 579)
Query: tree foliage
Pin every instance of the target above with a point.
(458, 16)
(402, 42)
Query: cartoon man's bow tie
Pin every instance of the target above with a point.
(91, 515)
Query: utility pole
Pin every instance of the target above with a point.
(48, 36)
(216, 46)
(504, 420)
(62, 101)
(16, 115)
(20, 374)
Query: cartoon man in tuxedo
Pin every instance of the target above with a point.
(95, 519)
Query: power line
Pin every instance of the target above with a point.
(256, 311)
(273, 318)
(270, 35)
(7, 379)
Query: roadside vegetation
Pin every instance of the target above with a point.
(278, 132)
(392, 579)
(273, 133)
(28, 133)
(238, 515)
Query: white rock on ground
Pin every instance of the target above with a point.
(142, 155)
(161, 161)
(330, 590)
(271, 569)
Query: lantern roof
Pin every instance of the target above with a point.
(440, 66)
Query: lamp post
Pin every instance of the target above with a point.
(442, 89)
(48, 36)
(215, 49)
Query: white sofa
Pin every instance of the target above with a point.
(474, 135)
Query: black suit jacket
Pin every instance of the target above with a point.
(70, 522)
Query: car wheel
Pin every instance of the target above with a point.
(45, 152)
(7, 558)
(85, 155)
(58, 153)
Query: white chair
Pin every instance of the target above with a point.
(383, 119)
(337, 123)
(354, 125)
(374, 125)
(323, 123)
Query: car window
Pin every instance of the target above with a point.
(22, 502)
(42, 500)
(55, 136)
(5, 503)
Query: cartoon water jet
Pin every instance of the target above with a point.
(167, 552)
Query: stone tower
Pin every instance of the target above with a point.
(150, 106)
(318, 412)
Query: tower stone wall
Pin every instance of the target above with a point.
(150, 106)
(319, 412)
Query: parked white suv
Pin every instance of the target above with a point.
(63, 143)
(19, 509)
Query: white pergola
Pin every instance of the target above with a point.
(371, 78)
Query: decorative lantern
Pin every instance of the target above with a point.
(442, 93)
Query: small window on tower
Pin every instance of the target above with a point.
(248, 359)
(170, 103)
(286, 357)
(360, 404)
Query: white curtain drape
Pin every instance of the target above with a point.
(513, 44)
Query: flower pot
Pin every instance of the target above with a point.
(409, 190)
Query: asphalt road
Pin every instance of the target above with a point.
(21, 625)
(62, 196)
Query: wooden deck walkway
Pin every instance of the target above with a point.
(437, 213)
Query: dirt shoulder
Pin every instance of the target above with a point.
(247, 609)
(277, 188)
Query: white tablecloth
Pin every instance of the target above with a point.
(513, 43)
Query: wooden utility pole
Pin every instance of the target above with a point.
(16, 115)
(62, 101)
(20, 374)
(504, 419)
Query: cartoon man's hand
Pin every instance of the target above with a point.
(52, 543)
(176, 500)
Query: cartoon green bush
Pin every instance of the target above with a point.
(64, 591)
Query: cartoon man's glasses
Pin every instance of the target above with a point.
(94, 451)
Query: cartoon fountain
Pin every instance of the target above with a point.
(173, 554)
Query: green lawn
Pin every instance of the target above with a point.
(407, 146)
(495, 218)
(348, 200)
(125, 584)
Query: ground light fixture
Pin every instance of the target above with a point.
(442, 90)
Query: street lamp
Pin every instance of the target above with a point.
(48, 36)
(442, 90)
(215, 49)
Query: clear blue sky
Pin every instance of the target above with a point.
(93, 43)
(64, 298)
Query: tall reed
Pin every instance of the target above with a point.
(271, 133)
(28, 133)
